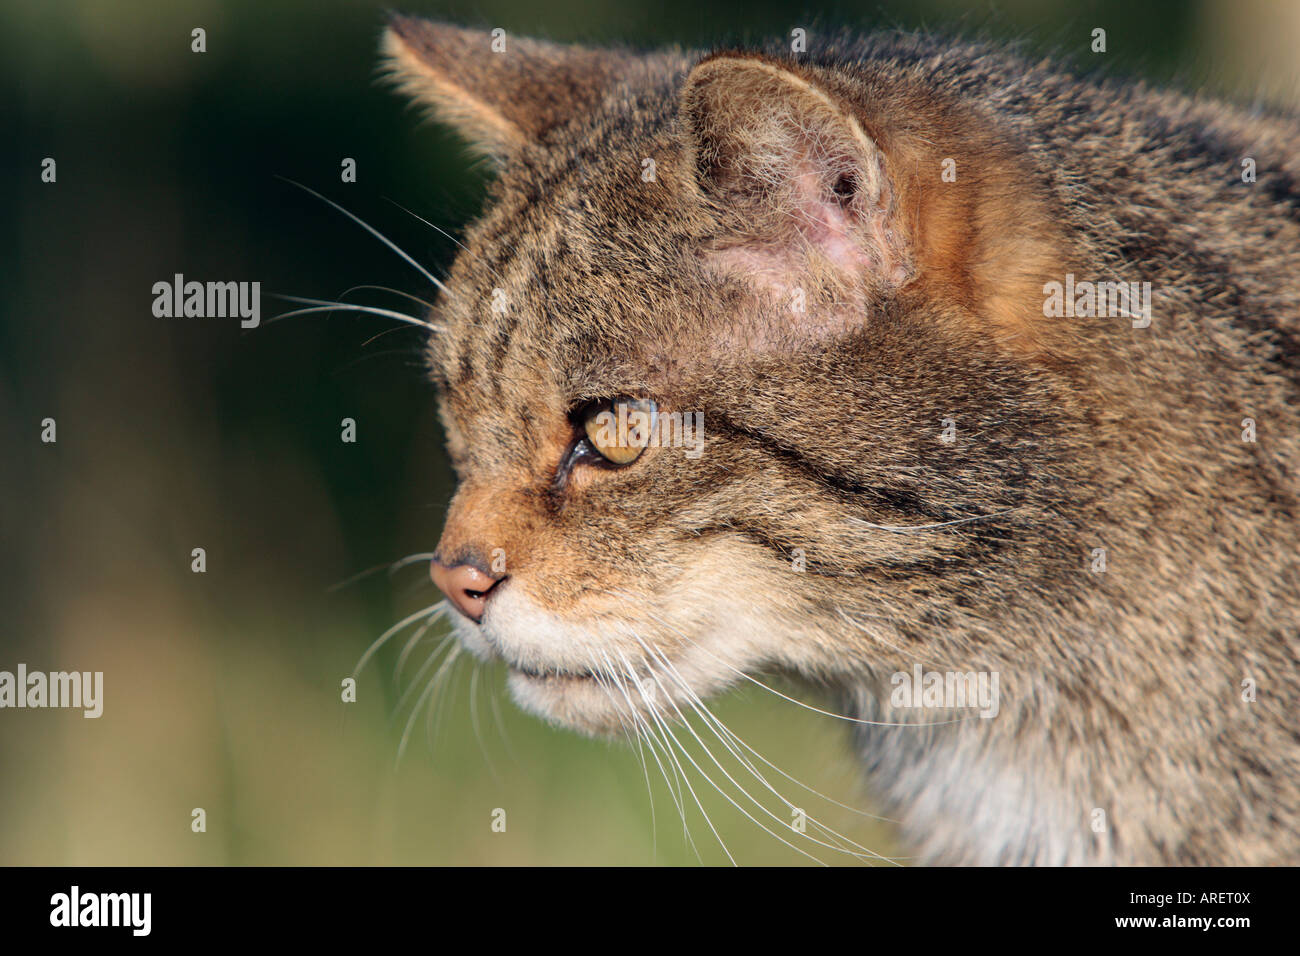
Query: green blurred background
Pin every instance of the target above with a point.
(222, 689)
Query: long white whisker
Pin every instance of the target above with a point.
(383, 288)
(395, 565)
(668, 751)
(653, 711)
(473, 719)
(322, 305)
(816, 710)
(501, 727)
(863, 628)
(640, 726)
(632, 732)
(699, 740)
(839, 842)
(430, 661)
(724, 733)
(427, 223)
(722, 729)
(374, 232)
(447, 680)
(432, 611)
(842, 843)
(910, 528)
(411, 645)
(424, 696)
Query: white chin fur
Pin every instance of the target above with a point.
(547, 655)
(530, 637)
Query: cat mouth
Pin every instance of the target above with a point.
(551, 674)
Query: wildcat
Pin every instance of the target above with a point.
(852, 263)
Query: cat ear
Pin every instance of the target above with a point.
(795, 166)
(498, 91)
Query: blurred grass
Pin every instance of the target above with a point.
(222, 689)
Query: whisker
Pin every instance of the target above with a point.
(678, 771)
(839, 842)
(800, 703)
(730, 734)
(758, 775)
(431, 611)
(383, 288)
(401, 746)
(394, 566)
(911, 528)
(633, 733)
(425, 696)
(433, 658)
(861, 627)
(664, 730)
(473, 719)
(719, 728)
(757, 803)
(427, 223)
(501, 728)
(639, 726)
(411, 645)
(374, 232)
(379, 335)
(324, 306)
(374, 338)
(446, 678)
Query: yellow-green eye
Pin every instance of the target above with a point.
(620, 429)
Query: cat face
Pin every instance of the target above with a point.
(728, 384)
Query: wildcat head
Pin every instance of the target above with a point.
(733, 376)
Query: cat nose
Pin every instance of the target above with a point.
(466, 587)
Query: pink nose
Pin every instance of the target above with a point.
(466, 587)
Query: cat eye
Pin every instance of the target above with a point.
(619, 429)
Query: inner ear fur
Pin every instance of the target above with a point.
(784, 155)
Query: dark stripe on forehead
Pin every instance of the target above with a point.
(504, 334)
(485, 333)
(519, 247)
(464, 369)
(499, 347)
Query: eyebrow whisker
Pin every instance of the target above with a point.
(374, 232)
(321, 305)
